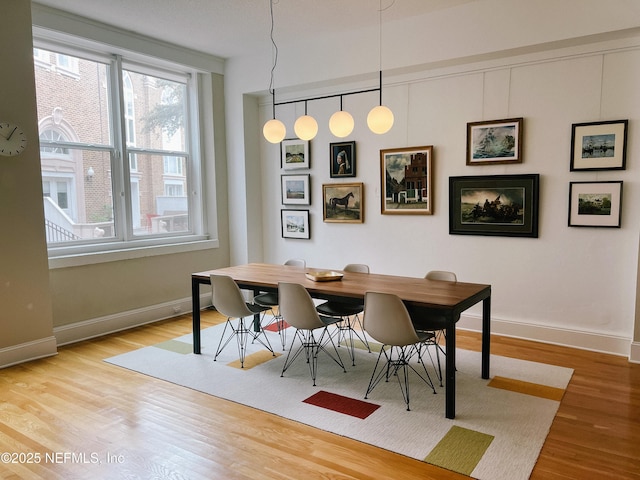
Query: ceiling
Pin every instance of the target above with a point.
(228, 28)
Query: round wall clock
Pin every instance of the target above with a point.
(13, 140)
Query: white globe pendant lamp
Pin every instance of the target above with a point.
(274, 131)
(380, 119)
(341, 123)
(306, 127)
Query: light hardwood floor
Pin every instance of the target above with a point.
(74, 416)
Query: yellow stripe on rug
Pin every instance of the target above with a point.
(254, 359)
(460, 450)
(535, 389)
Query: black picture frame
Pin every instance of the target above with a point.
(342, 159)
(295, 189)
(595, 204)
(295, 154)
(599, 146)
(497, 205)
(295, 224)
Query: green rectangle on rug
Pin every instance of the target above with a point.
(460, 450)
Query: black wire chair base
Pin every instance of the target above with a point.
(311, 347)
(397, 364)
(347, 334)
(242, 334)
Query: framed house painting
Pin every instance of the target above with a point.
(342, 159)
(343, 202)
(595, 204)
(295, 189)
(599, 145)
(501, 205)
(295, 154)
(494, 142)
(295, 224)
(406, 181)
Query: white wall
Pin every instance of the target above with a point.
(575, 286)
(26, 328)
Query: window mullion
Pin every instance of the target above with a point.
(120, 164)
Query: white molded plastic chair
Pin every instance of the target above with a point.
(228, 300)
(270, 300)
(387, 320)
(350, 314)
(299, 311)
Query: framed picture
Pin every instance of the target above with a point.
(295, 224)
(405, 181)
(342, 159)
(296, 190)
(595, 204)
(343, 202)
(295, 154)
(599, 145)
(503, 205)
(494, 142)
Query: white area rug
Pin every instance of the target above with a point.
(518, 422)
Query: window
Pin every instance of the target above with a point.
(67, 64)
(102, 188)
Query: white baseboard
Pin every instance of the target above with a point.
(595, 342)
(570, 338)
(25, 352)
(97, 327)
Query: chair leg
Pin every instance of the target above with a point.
(311, 348)
(398, 364)
(346, 333)
(241, 333)
(279, 322)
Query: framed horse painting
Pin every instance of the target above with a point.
(343, 202)
(405, 181)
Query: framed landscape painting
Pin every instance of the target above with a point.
(502, 205)
(494, 142)
(295, 224)
(599, 145)
(295, 154)
(343, 202)
(295, 189)
(406, 181)
(595, 204)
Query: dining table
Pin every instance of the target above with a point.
(424, 298)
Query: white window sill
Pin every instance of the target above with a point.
(127, 252)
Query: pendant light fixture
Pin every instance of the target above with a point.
(341, 124)
(274, 130)
(306, 126)
(380, 118)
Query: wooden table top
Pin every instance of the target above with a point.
(455, 296)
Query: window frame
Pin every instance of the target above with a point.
(97, 251)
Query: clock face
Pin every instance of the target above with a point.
(12, 139)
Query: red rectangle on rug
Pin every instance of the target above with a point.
(274, 327)
(338, 403)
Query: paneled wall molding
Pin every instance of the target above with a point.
(456, 68)
(592, 341)
(25, 352)
(97, 327)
